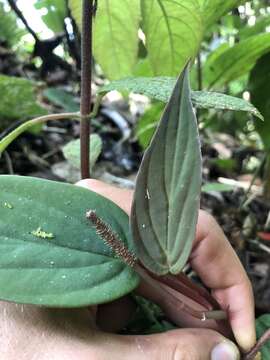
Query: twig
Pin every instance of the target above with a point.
(86, 77)
(252, 353)
(7, 140)
(20, 15)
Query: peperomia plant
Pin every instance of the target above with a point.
(66, 246)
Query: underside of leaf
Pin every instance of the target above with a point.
(166, 202)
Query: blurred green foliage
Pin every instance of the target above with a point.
(18, 100)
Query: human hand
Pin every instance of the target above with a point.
(215, 261)
(57, 334)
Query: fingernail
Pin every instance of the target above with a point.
(225, 350)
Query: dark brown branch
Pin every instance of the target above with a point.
(86, 78)
(20, 15)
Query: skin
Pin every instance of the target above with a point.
(82, 334)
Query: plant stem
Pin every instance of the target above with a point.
(86, 77)
(7, 140)
(264, 338)
(160, 287)
(199, 71)
(20, 15)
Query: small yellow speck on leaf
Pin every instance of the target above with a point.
(8, 205)
(42, 234)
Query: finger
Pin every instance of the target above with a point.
(217, 264)
(195, 344)
(121, 197)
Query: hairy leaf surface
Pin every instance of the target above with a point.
(160, 88)
(50, 254)
(165, 208)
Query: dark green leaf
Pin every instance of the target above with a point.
(50, 255)
(160, 88)
(259, 87)
(263, 324)
(165, 208)
(62, 98)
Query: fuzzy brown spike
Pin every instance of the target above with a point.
(111, 239)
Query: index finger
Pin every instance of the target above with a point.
(217, 264)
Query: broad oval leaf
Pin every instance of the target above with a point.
(174, 29)
(165, 208)
(160, 88)
(50, 254)
(115, 34)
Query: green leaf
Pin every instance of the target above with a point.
(259, 27)
(215, 186)
(259, 88)
(236, 61)
(62, 98)
(10, 33)
(148, 124)
(174, 29)
(55, 13)
(165, 208)
(263, 324)
(214, 100)
(71, 266)
(160, 88)
(20, 101)
(115, 35)
(72, 151)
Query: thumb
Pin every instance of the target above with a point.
(183, 344)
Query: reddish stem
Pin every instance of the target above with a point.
(86, 78)
(253, 352)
